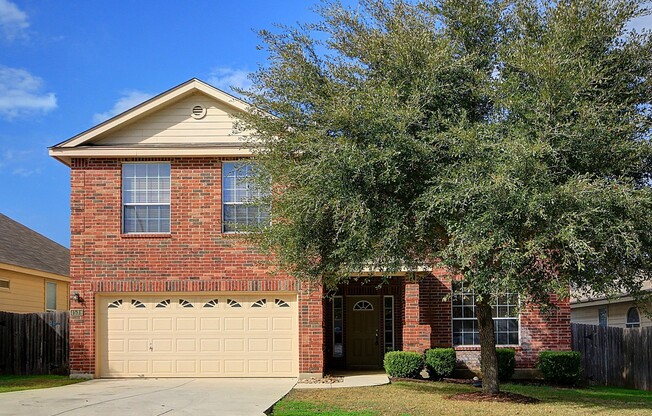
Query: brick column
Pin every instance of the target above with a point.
(311, 331)
(416, 337)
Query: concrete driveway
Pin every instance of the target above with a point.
(149, 397)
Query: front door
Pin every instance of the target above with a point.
(362, 333)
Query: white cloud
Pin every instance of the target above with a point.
(128, 100)
(26, 172)
(227, 78)
(24, 162)
(13, 21)
(20, 93)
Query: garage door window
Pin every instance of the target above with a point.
(211, 339)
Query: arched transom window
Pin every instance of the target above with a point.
(363, 305)
(633, 318)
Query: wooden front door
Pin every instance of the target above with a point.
(362, 332)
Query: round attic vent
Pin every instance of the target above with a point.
(198, 111)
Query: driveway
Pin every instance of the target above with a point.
(150, 397)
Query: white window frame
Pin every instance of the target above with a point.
(606, 316)
(341, 308)
(8, 281)
(235, 203)
(493, 306)
(137, 204)
(393, 309)
(54, 286)
(636, 324)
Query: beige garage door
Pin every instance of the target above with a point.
(236, 335)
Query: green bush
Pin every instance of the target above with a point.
(403, 364)
(440, 362)
(562, 367)
(506, 363)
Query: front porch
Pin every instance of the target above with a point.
(367, 318)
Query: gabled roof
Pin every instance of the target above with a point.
(23, 247)
(79, 145)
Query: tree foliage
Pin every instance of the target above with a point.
(505, 140)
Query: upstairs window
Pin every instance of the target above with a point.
(465, 324)
(145, 198)
(239, 194)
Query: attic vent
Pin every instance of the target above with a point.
(198, 112)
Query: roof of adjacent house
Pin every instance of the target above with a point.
(24, 247)
(581, 300)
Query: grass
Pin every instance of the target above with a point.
(408, 398)
(15, 383)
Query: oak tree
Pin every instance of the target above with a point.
(507, 141)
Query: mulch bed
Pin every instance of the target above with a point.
(327, 379)
(478, 396)
(428, 380)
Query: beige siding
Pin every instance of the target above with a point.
(174, 124)
(27, 293)
(617, 314)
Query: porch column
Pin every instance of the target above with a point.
(416, 337)
(311, 330)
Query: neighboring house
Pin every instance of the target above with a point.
(622, 311)
(169, 289)
(34, 270)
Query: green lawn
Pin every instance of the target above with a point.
(15, 383)
(408, 398)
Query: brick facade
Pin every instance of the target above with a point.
(195, 257)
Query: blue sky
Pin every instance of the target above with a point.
(68, 65)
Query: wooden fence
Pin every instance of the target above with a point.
(34, 343)
(615, 356)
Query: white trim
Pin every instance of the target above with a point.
(138, 204)
(606, 309)
(186, 89)
(365, 303)
(629, 324)
(341, 298)
(48, 285)
(518, 318)
(393, 324)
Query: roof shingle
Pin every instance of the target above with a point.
(21, 246)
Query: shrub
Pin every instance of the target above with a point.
(562, 367)
(440, 362)
(506, 363)
(403, 364)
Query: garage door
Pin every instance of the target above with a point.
(237, 335)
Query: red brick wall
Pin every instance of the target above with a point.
(427, 324)
(195, 256)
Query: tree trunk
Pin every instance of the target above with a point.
(488, 359)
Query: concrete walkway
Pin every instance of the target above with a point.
(350, 379)
(150, 397)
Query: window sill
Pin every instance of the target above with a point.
(234, 233)
(147, 235)
(477, 347)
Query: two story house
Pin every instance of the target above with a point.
(169, 289)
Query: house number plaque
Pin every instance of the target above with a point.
(76, 313)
